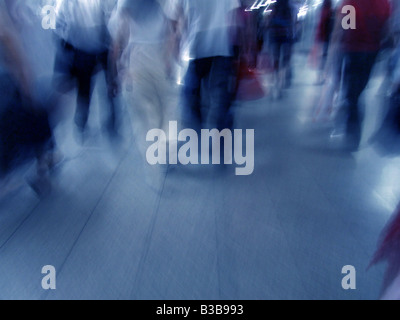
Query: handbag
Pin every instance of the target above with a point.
(249, 86)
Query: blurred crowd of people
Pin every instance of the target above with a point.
(142, 47)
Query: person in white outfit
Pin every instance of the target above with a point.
(143, 33)
(142, 47)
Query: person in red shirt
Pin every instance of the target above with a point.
(360, 48)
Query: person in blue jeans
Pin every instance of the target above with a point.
(209, 79)
(210, 26)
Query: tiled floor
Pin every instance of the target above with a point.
(284, 232)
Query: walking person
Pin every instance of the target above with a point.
(360, 48)
(281, 36)
(144, 57)
(209, 28)
(324, 35)
(84, 51)
(25, 132)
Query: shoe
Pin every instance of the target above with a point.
(344, 141)
(338, 134)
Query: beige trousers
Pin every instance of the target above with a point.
(149, 93)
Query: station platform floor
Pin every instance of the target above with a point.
(200, 233)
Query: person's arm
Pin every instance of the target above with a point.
(336, 39)
(120, 41)
(122, 36)
(180, 27)
(173, 13)
(388, 34)
(322, 29)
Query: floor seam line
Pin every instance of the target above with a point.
(60, 269)
(149, 236)
(19, 226)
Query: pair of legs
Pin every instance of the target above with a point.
(324, 59)
(149, 93)
(149, 97)
(82, 67)
(327, 102)
(357, 70)
(282, 55)
(210, 79)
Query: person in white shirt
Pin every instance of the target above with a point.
(82, 26)
(83, 23)
(209, 32)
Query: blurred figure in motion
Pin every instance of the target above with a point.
(246, 52)
(330, 63)
(144, 55)
(245, 44)
(389, 251)
(84, 50)
(24, 127)
(27, 17)
(360, 48)
(208, 81)
(387, 138)
(281, 35)
(324, 35)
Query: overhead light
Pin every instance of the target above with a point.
(260, 4)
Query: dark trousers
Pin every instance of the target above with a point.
(82, 67)
(282, 54)
(356, 74)
(208, 80)
(325, 53)
(25, 133)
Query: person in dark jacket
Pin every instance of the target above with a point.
(24, 126)
(360, 48)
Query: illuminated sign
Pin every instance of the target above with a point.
(261, 4)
